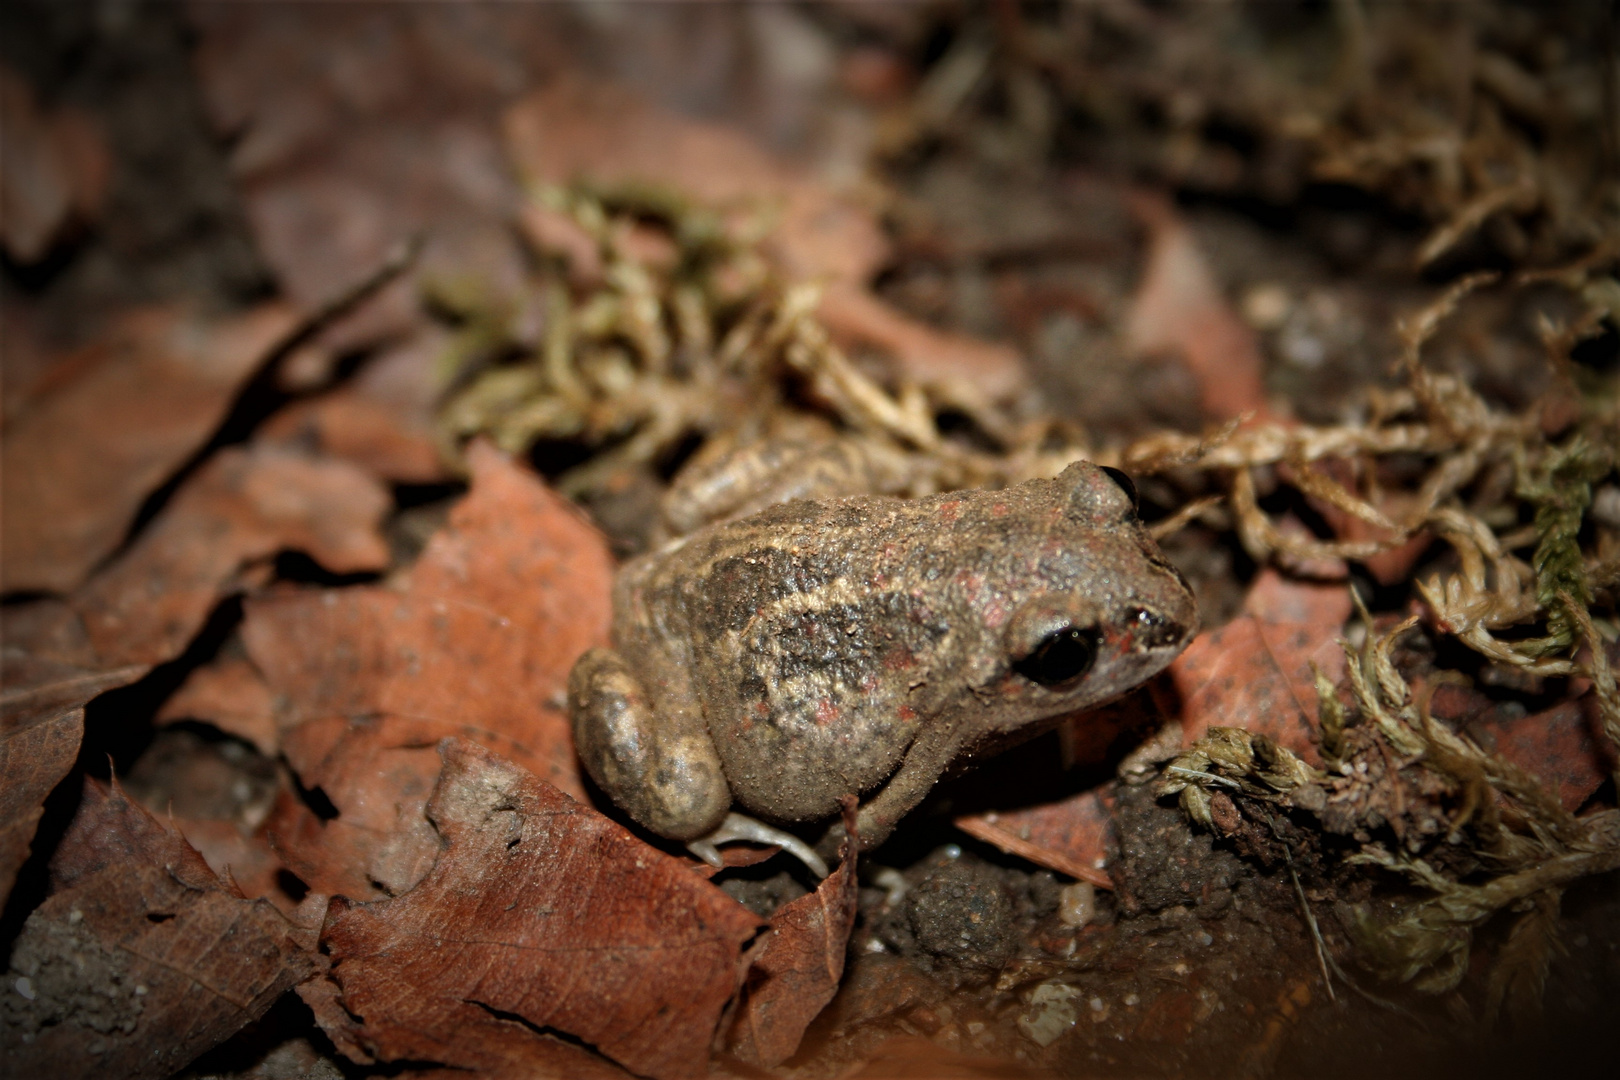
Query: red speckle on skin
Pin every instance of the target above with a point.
(826, 714)
(998, 509)
(907, 714)
(898, 660)
(950, 511)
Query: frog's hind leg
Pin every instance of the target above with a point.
(657, 763)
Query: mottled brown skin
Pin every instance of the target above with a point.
(851, 645)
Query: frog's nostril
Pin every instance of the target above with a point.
(1153, 629)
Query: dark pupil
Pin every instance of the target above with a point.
(1061, 656)
(1126, 484)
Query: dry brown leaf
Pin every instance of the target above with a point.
(55, 169)
(244, 506)
(475, 640)
(1563, 746)
(612, 136)
(377, 775)
(350, 134)
(36, 752)
(1255, 672)
(47, 673)
(231, 695)
(798, 965)
(245, 861)
(117, 419)
(382, 419)
(1071, 836)
(1179, 308)
(579, 128)
(540, 913)
(857, 319)
(141, 958)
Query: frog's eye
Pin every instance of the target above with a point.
(1126, 484)
(1062, 656)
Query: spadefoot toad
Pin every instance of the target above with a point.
(860, 645)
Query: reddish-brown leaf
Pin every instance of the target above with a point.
(1179, 308)
(1564, 746)
(140, 959)
(540, 913)
(36, 751)
(858, 319)
(350, 134)
(383, 419)
(244, 506)
(120, 417)
(474, 640)
(1070, 836)
(579, 128)
(377, 775)
(47, 673)
(231, 695)
(798, 965)
(1255, 672)
(55, 169)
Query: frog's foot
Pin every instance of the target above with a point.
(742, 827)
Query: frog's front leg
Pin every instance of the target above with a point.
(926, 760)
(652, 756)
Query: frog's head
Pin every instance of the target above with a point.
(1093, 611)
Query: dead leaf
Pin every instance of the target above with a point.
(118, 418)
(581, 128)
(540, 913)
(858, 319)
(1255, 672)
(377, 775)
(576, 128)
(1563, 747)
(1071, 836)
(36, 752)
(475, 640)
(244, 861)
(47, 673)
(383, 419)
(55, 169)
(1179, 308)
(231, 695)
(141, 959)
(798, 966)
(351, 134)
(244, 506)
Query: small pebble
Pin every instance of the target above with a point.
(1077, 904)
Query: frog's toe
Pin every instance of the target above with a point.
(742, 827)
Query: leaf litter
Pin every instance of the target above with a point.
(1380, 794)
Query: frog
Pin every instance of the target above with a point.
(763, 669)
